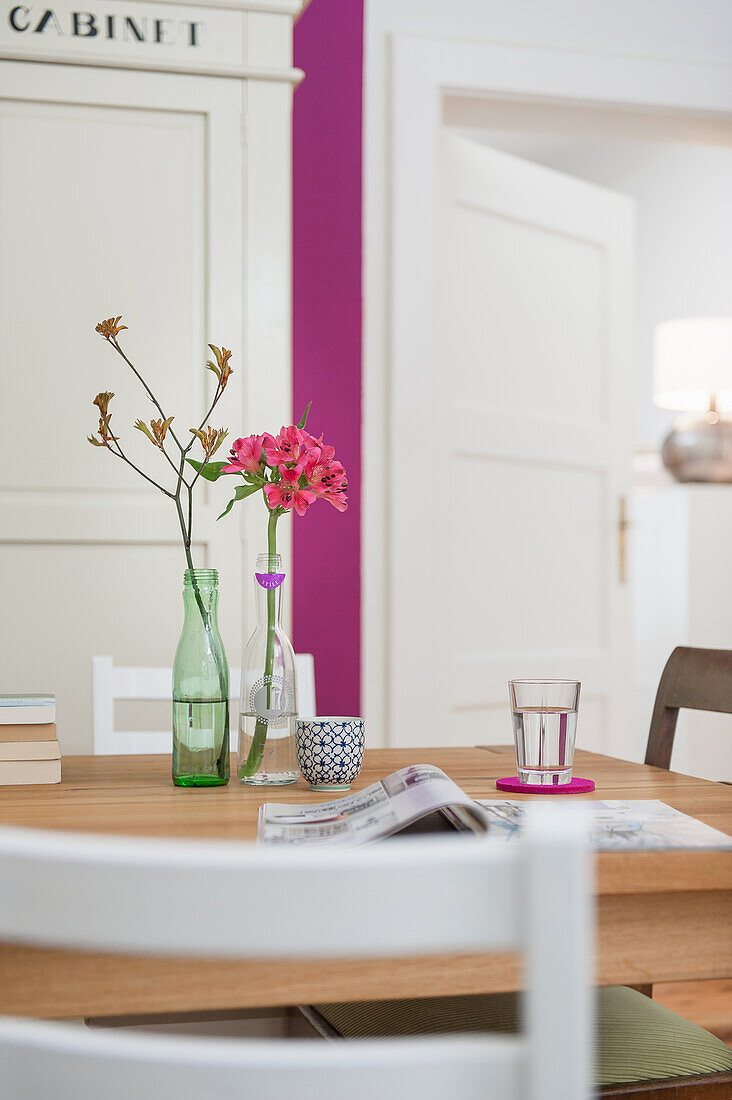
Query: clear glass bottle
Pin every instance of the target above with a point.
(200, 688)
(268, 706)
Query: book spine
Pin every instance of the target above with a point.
(21, 773)
(24, 716)
(45, 732)
(30, 750)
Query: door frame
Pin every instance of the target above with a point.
(401, 188)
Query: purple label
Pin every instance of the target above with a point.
(270, 580)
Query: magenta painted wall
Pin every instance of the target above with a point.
(327, 337)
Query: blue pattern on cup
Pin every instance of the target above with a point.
(330, 751)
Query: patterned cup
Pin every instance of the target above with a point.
(330, 751)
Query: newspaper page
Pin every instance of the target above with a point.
(620, 826)
(378, 811)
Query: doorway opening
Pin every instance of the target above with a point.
(676, 166)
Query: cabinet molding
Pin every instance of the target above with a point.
(229, 38)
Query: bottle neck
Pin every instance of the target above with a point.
(269, 581)
(200, 590)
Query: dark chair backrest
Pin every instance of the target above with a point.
(695, 679)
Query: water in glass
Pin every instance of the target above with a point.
(200, 688)
(544, 729)
(268, 707)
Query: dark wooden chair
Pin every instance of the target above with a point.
(697, 679)
(678, 1088)
(693, 679)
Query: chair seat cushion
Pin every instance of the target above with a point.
(638, 1040)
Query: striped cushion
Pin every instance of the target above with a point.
(639, 1040)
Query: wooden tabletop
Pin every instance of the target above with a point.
(662, 916)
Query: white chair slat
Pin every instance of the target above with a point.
(140, 743)
(305, 666)
(559, 948)
(42, 1060)
(110, 682)
(142, 683)
(421, 896)
(118, 894)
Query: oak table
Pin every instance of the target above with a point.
(662, 916)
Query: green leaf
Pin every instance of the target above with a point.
(304, 418)
(240, 493)
(211, 470)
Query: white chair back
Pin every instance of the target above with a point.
(110, 682)
(407, 897)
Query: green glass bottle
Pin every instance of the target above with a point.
(200, 688)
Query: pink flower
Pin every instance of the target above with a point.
(286, 447)
(326, 476)
(318, 457)
(334, 488)
(330, 483)
(246, 455)
(287, 493)
(310, 443)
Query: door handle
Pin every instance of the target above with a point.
(623, 524)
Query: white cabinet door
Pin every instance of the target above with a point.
(506, 491)
(120, 192)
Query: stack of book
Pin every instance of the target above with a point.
(29, 748)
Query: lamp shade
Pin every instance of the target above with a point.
(692, 363)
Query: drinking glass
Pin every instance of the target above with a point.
(544, 729)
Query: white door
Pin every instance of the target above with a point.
(120, 192)
(504, 519)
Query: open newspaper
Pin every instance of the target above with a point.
(421, 798)
(622, 826)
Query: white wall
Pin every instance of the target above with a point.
(677, 167)
(658, 28)
(682, 544)
(667, 178)
(668, 56)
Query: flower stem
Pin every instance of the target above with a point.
(115, 448)
(205, 618)
(113, 445)
(145, 386)
(253, 762)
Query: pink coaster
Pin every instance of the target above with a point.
(575, 786)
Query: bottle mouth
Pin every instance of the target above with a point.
(204, 578)
(269, 563)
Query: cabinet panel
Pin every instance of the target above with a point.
(63, 603)
(119, 193)
(102, 209)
